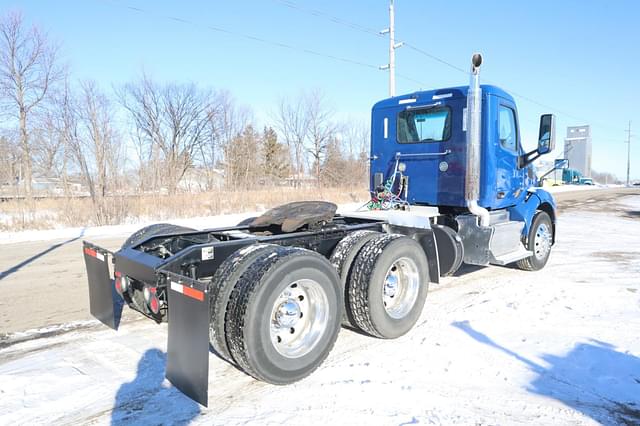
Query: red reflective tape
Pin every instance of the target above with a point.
(187, 291)
(193, 293)
(90, 252)
(118, 274)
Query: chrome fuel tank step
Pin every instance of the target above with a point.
(499, 243)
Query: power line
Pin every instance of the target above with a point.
(332, 18)
(435, 58)
(371, 31)
(237, 34)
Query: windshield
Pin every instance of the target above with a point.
(424, 125)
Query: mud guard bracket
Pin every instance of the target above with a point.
(188, 336)
(103, 302)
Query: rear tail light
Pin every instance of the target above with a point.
(121, 283)
(151, 298)
(154, 304)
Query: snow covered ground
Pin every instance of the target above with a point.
(493, 346)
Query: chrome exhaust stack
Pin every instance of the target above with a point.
(474, 127)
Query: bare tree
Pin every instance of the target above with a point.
(86, 128)
(48, 146)
(67, 125)
(9, 160)
(28, 71)
(99, 137)
(321, 129)
(355, 138)
(291, 121)
(227, 121)
(171, 121)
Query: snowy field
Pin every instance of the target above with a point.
(203, 222)
(494, 346)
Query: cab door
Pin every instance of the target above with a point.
(509, 176)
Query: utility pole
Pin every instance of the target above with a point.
(391, 66)
(628, 151)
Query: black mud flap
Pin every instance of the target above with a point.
(103, 301)
(188, 345)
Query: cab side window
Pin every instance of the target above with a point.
(507, 127)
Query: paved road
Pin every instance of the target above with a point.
(594, 200)
(43, 283)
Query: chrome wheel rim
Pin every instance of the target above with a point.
(400, 288)
(299, 318)
(542, 241)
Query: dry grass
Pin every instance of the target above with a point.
(57, 212)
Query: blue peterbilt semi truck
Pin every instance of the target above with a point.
(450, 184)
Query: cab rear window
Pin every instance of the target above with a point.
(424, 125)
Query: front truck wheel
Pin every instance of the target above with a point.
(284, 315)
(388, 286)
(539, 242)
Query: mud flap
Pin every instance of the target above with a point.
(103, 302)
(188, 340)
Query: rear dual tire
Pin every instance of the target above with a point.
(385, 280)
(342, 258)
(277, 314)
(388, 286)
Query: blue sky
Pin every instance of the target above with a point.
(580, 58)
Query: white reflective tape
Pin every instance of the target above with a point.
(177, 287)
(406, 101)
(100, 256)
(386, 127)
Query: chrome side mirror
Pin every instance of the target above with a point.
(547, 134)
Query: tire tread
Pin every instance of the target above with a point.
(361, 276)
(243, 296)
(220, 288)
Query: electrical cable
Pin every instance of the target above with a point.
(371, 31)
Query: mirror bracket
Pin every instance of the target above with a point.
(528, 158)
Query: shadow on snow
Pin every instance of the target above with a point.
(593, 378)
(146, 401)
(16, 268)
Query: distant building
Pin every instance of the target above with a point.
(577, 149)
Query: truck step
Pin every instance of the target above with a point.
(506, 238)
(514, 256)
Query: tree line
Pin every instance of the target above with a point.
(151, 136)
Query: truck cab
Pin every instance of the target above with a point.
(421, 151)
(428, 130)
